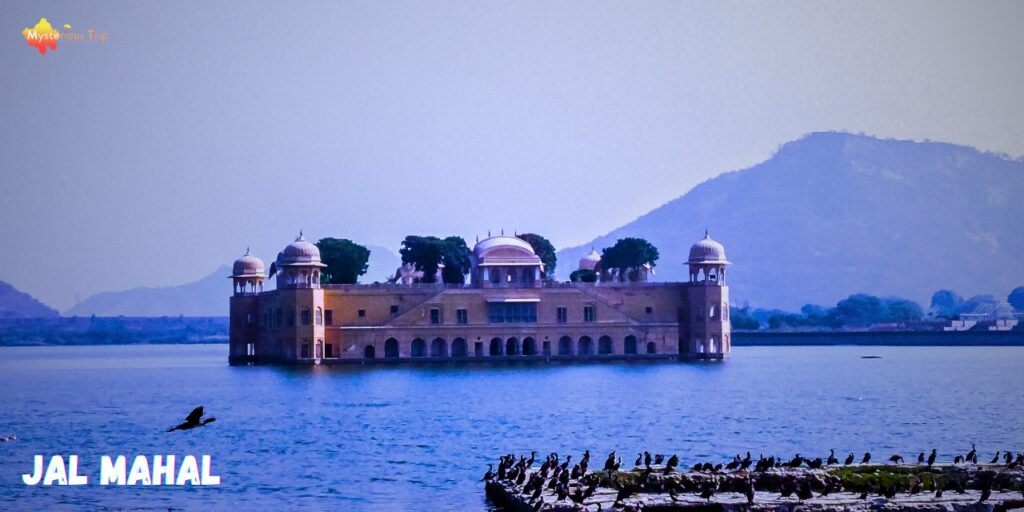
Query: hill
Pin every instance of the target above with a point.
(18, 304)
(832, 214)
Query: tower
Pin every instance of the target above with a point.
(247, 280)
(706, 331)
(301, 302)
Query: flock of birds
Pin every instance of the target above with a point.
(556, 474)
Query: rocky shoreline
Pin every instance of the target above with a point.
(857, 487)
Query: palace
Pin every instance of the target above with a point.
(505, 312)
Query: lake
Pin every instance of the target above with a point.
(419, 438)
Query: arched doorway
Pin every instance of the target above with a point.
(495, 347)
(512, 347)
(418, 348)
(459, 347)
(652, 348)
(586, 346)
(529, 347)
(369, 352)
(565, 346)
(630, 345)
(391, 349)
(604, 345)
(438, 348)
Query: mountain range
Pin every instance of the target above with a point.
(826, 216)
(833, 214)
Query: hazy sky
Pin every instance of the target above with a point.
(200, 128)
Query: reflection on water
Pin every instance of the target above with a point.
(419, 438)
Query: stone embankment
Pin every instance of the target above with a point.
(890, 488)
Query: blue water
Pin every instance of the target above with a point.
(418, 438)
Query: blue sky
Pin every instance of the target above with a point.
(200, 128)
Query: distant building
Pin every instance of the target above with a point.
(506, 311)
(997, 316)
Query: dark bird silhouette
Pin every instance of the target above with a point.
(804, 491)
(938, 491)
(814, 464)
(609, 463)
(986, 492)
(916, 487)
(562, 492)
(896, 459)
(832, 457)
(787, 487)
(849, 459)
(972, 456)
(931, 458)
(1008, 457)
(639, 459)
(709, 490)
(647, 458)
(867, 458)
(958, 459)
(920, 458)
(995, 460)
(193, 420)
(489, 475)
(659, 458)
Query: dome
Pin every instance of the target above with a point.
(590, 261)
(247, 266)
(707, 251)
(502, 242)
(299, 252)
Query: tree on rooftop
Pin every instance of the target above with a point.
(427, 253)
(544, 250)
(345, 260)
(628, 254)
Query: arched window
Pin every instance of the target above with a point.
(418, 348)
(391, 349)
(438, 348)
(495, 348)
(586, 346)
(604, 345)
(512, 347)
(319, 316)
(459, 347)
(652, 348)
(369, 352)
(711, 311)
(495, 276)
(565, 346)
(630, 344)
(529, 347)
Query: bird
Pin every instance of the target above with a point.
(938, 491)
(896, 459)
(639, 458)
(986, 492)
(995, 460)
(867, 458)
(709, 490)
(849, 459)
(931, 458)
(920, 458)
(972, 456)
(958, 459)
(832, 457)
(916, 487)
(193, 420)
(804, 491)
(489, 475)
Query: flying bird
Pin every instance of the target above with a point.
(193, 420)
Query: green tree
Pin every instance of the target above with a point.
(859, 309)
(345, 260)
(629, 254)
(428, 252)
(741, 319)
(902, 311)
(583, 275)
(946, 303)
(544, 250)
(1016, 298)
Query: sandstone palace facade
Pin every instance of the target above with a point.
(505, 312)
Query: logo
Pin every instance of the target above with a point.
(44, 37)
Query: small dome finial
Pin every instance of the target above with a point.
(247, 250)
(706, 234)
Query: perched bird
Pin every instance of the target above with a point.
(920, 458)
(931, 458)
(896, 459)
(832, 457)
(938, 491)
(489, 475)
(193, 420)
(916, 487)
(787, 487)
(804, 491)
(986, 492)
(890, 492)
(709, 490)
(639, 458)
(659, 458)
(958, 459)
(814, 464)
(849, 459)
(995, 460)
(972, 456)
(867, 458)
